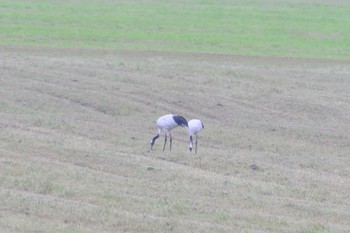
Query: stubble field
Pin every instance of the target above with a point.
(75, 132)
(82, 84)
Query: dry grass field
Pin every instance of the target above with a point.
(76, 126)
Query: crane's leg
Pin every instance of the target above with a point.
(165, 139)
(196, 144)
(171, 140)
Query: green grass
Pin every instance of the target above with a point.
(267, 28)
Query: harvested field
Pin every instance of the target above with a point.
(76, 125)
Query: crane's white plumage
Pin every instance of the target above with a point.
(194, 126)
(165, 124)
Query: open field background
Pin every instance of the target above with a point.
(289, 28)
(79, 97)
(76, 126)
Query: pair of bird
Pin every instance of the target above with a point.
(168, 122)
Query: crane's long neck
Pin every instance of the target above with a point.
(154, 139)
(191, 143)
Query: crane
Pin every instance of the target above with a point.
(194, 126)
(165, 124)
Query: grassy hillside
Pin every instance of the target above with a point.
(75, 132)
(316, 29)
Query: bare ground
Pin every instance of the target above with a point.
(76, 125)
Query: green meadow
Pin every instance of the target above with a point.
(310, 29)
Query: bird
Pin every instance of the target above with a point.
(194, 126)
(165, 124)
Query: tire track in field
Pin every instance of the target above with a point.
(82, 104)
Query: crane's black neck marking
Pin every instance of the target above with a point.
(180, 120)
(202, 125)
(154, 139)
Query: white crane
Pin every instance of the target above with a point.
(165, 124)
(194, 126)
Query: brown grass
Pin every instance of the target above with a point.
(76, 126)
